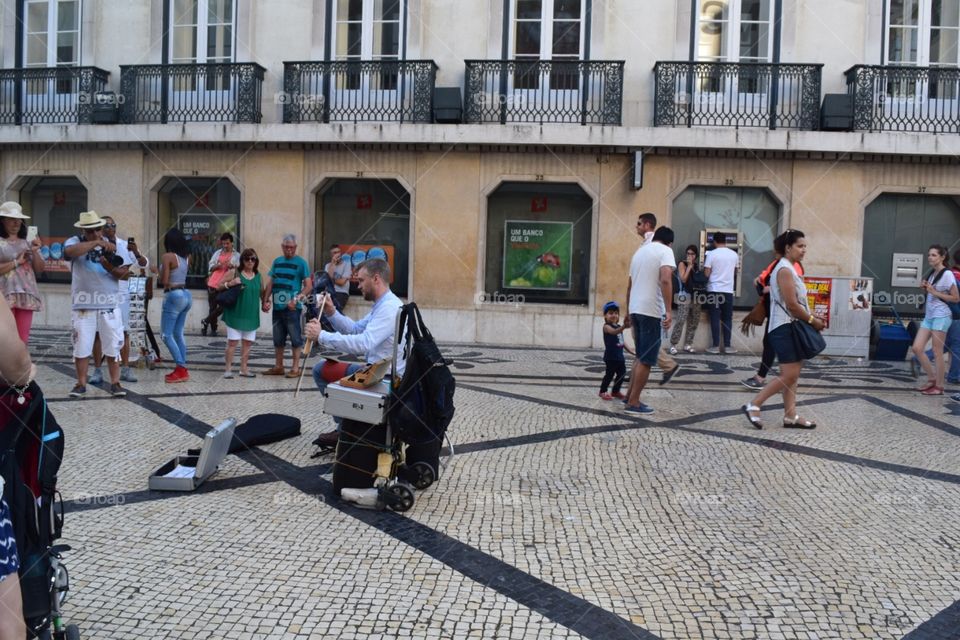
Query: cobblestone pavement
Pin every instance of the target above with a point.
(560, 516)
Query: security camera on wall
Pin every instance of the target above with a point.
(637, 170)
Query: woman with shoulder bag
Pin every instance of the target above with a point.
(788, 306)
(941, 288)
(243, 317)
(688, 313)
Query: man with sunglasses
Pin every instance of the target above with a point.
(95, 269)
(130, 255)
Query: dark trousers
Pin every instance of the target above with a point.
(215, 308)
(721, 316)
(152, 338)
(616, 371)
(766, 361)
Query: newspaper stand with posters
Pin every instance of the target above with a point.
(844, 303)
(137, 295)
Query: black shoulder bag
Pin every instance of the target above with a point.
(807, 341)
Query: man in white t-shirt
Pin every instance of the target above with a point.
(651, 270)
(720, 268)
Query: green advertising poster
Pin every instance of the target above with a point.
(203, 231)
(536, 255)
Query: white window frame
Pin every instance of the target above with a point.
(733, 24)
(546, 32)
(924, 30)
(367, 23)
(201, 28)
(53, 8)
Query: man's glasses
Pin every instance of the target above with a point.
(110, 225)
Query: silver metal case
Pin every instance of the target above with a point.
(363, 405)
(187, 471)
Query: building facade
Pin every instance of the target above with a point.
(498, 152)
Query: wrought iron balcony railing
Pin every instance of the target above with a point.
(541, 91)
(358, 91)
(49, 95)
(892, 98)
(735, 94)
(220, 92)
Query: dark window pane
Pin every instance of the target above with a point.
(566, 9)
(529, 9)
(528, 38)
(386, 10)
(566, 38)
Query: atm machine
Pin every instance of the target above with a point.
(734, 241)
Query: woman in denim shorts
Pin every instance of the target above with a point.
(941, 288)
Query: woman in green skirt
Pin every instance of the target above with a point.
(243, 318)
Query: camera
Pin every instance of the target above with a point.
(97, 253)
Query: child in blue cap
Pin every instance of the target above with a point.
(613, 352)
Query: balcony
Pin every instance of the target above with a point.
(358, 91)
(57, 95)
(227, 92)
(544, 91)
(923, 99)
(732, 94)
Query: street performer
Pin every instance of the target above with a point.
(372, 336)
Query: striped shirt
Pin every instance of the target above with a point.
(288, 277)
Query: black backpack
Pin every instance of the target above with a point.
(954, 306)
(421, 405)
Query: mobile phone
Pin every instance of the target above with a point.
(131, 240)
(31, 233)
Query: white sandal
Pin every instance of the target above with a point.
(796, 423)
(755, 421)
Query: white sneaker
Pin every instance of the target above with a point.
(126, 375)
(730, 350)
(712, 350)
(673, 350)
(96, 377)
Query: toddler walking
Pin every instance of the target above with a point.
(613, 352)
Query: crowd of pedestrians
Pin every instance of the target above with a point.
(665, 298)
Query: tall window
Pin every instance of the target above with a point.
(52, 33)
(923, 32)
(368, 30)
(734, 31)
(547, 30)
(202, 31)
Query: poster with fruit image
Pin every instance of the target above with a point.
(537, 255)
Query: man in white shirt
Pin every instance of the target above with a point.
(131, 256)
(720, 268)
(651, 270)
(372, 336)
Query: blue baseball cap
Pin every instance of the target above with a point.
(611, 305)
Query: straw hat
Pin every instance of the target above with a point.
(90, 220)
(12, 210)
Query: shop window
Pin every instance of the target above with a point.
(54, 205)
(752, 212)
(203, 209)
(904, 223)
(539, 243)
(366, 217)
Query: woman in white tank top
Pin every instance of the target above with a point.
(788, 303)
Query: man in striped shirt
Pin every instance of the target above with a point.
(289, 284)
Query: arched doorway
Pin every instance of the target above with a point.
(751, 211)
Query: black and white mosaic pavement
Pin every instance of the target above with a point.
(560, 516)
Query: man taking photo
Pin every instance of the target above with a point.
(95, 269)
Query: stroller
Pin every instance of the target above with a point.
(380, 460)
(31, 450)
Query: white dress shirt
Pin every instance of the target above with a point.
(372, 336)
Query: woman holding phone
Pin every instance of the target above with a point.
(20, 262)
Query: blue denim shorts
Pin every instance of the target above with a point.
(287, 323)
(646, 337)
(937, 324)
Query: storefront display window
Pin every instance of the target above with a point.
(539, 243)
(367, 218)
(203, 209)
(54, 205)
